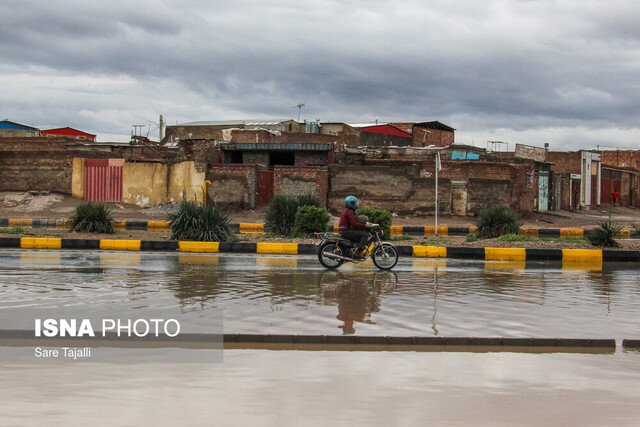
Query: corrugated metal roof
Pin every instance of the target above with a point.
(250, 122)
(8, 124)
(366, 124)
(290, 146)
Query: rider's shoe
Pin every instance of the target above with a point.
(357, 254)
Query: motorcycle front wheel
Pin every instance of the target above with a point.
(330, 248)
(385, 256)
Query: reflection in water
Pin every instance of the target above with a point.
(356, 295)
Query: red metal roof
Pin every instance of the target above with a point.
(386, 130)
(67, 131)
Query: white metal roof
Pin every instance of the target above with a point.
(251, 122)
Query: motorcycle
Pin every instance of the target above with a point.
(334, 250)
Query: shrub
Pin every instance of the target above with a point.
(309, 220)
(281, 212)
(203, 223)
(92, 218)
(378, 216)
(471, 238)
(513, 238)
(496, 221)
(605, 235)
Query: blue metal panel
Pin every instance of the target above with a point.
(473, 156)
(5, 124)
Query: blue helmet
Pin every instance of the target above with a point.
(351, 202)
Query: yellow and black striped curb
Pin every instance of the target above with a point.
(591, 256)
(248, 228)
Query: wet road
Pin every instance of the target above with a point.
(293, 295)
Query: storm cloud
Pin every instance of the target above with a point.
(566, 72)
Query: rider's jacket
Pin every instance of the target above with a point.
(348, 220)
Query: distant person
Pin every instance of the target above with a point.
(615, 196)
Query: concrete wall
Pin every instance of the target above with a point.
(183, 177)
(144, 184)
(77, 181)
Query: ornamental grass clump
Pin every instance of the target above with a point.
(281, 212)
(605, 235)
(497, 221)
(92, 218)
(199, 222)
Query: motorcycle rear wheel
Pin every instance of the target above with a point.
(385, 256)
(330, 248)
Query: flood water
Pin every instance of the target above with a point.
(294, 295)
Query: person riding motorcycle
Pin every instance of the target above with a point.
(351, 229)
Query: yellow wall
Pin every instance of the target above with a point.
(183, 176)
(144, 184)
(77, 179)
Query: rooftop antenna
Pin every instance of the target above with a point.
(299, 107)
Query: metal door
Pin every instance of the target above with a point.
(459, 197)
(264, 191)
(103, 180)
(543, 191)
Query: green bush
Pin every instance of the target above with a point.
(378, 216)
(281, 212)
(496, 221)
(200, 222)
(92, 218)
(310, 220)
(605, 235)
(513, 238)
(471, 238)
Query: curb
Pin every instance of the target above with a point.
(594, 257)
(248, 228)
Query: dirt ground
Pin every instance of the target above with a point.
(45, 205)
(38, 205)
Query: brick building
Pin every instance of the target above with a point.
(14, 129)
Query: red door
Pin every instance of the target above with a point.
(103, 180)
(265, 188)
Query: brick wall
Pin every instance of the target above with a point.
(484, 193)
(409, 188)
(46, 163)
(301, 180)
(622, 158)
(232, 186)
(41, 163)
(564, 162)
(398, 189)
(311, 158)
(255, 158)
(369, 139)
(423, 137)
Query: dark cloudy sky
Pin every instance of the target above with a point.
(562, 72)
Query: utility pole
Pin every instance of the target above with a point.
(299, 107)
(438, 167)
(161, 123)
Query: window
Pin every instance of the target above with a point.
(282, 158)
